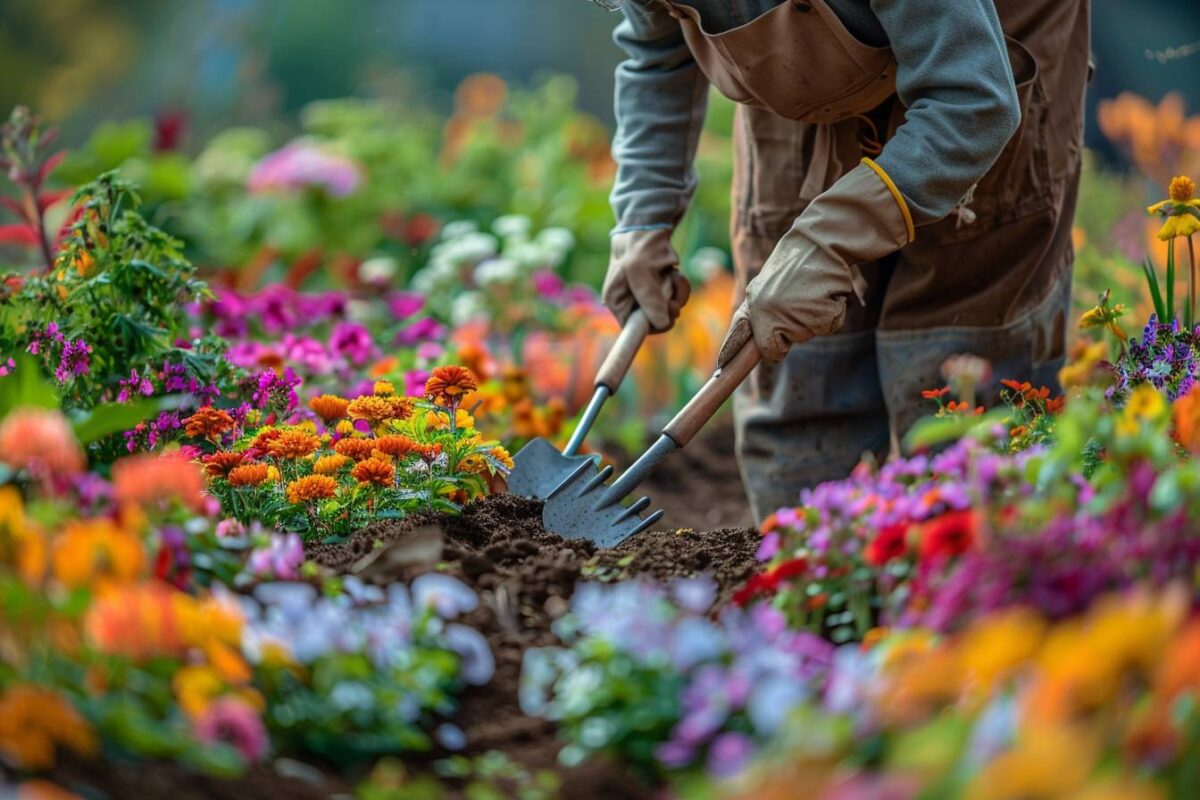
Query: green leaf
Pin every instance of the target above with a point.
(25, 386)
(932, 431)
(109, 418)
(1152, 281)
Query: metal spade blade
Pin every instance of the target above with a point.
(538, 468)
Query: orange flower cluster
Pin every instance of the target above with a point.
(375, 409)
(447, 385)
(311, 488)
(220, 464)
(374, 471)
(146, 480)
(329, 407)
(96, 552)
(396, 445)
(249, 475)
(208, 423)
(40, 440)
(330, 465)
(293, 444)
(1025, 393)
(531, 422)
(355, 448)
(21, 544)
(34, 722)
(1186, 414)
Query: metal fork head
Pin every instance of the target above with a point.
(578, 509)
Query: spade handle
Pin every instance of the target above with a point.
(617, 362)
(716, 391)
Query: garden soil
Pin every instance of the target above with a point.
(524, 577)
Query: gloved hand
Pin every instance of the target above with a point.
(643, 272)
(802, 289)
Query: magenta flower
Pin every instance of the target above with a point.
(279, 560)
(547, 284)
(233, 721)
(404, 304)
(300, 165)
(423, 330)
(353, 342)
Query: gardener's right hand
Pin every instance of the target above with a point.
(643, 272)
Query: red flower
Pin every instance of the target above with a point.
(933, 394)
(767, 583)
(951, 534)
(891, 542)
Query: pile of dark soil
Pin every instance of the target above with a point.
(525, 577)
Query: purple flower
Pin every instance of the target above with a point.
(133, 385)
(300, 165)
(279, 560)
(404, 304)
(729, 754)
(75, 360)
(352, 341)
(414, 382)
(423, 330)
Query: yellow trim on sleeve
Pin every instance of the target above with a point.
(900, 201)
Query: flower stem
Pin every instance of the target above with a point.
(1192, 279)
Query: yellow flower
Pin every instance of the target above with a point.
(345, 428)
(440, 421)
(196, 687)
(330, 465)
(1145, 405)
(1081, 368)
(21, 545)
(384, 388)
(1181, 210)
(372, 409)
(97, 553)
(992, 650)
(501, 455)
(1045, 762)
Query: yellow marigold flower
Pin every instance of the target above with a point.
(310, 488)
(330, 465)
(384, 388)
(395, 445)
(219, 465)
(329, 407)
(357, 449)
(440, 421)
(372, 409)
(21, 544)
(345, 427)
(196, 687)
(273, 474)
(35, 721)
(1081, 367)
(374, 471)
(502, 455)
(208, 423)
(1145, 404)
(449, 384)
(1181, 210)
(249, 475)
(294, 444)
(473, 464)
(97, 552)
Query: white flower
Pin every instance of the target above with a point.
(513, 226)
(557, 240)
(707, 262)
(460, 227)
(380, 269)
(467, 306)
(496, 270)
(530, 255)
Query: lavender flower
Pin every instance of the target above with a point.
(75, 360)
(279, 560)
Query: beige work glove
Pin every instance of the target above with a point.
(802, 289)
(643, 272)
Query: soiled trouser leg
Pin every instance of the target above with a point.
(812, 417)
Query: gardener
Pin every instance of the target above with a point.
(905, 180)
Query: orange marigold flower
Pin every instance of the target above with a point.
(35, 721)
(374, 471)
(447, 384)
(208, 423)
(310, 488)
(330, 465)
(933, 394)
(249, 475)
(35, 438)
(219, 465)
(395, 445)
(372, 409)
(263, 440)
(148, 479)
(294, 444)
(502, 455)
(357, 449)
(384, 388)
(96, 552)
(329, 407)
(402, 407)
(473, 464)
(429, 451)
(21, 544)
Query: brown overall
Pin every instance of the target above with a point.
(993, 278)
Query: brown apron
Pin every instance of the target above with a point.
(993, 278)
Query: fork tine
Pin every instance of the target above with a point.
(634, 509)
(647, 522)
(598, 479)
(565, 482)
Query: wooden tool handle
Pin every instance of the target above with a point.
(716, 391)
(617, 362)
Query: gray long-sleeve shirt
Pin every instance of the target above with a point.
(953, 77)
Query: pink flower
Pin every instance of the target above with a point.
(300, 165)
(547, 284)
(404, 304)
(233, 721)
(280, 560)
(353, 341)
